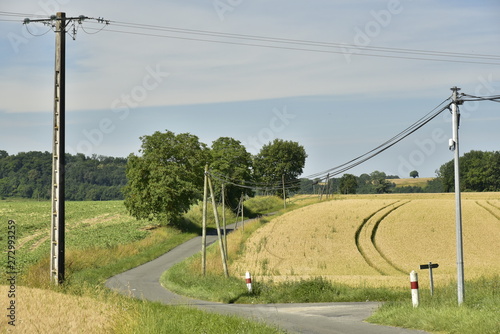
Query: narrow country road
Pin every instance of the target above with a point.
(314, 318)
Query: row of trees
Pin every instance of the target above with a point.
(29, 175)
(479, 171)
(374, 183)
(167, 178)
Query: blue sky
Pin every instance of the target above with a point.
(121, 86)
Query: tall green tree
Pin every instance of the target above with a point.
(231, 160)
(348, 184)
(379, 182)
(479, 171)
(280, 160)
(167, 178)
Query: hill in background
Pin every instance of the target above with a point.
(412, 182)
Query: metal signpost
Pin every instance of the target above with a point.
(430, 266)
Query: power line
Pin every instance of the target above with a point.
(14, 14)
(277, 185)
(302, 49)
(38, 35)
(384, 146)
(493, 98)
(299, 45)
(209, 36)
(303, 42)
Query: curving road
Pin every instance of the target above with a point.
(314, 318)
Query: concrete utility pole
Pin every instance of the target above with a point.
(57, 240)
(454, 145)
(57, 234)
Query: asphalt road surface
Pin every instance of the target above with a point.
(312, 318)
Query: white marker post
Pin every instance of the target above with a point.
(414, 288)
(248, 279)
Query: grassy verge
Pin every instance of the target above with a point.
(93, 265)
(153, 318)
(440, 313)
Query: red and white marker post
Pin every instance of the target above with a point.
(414, 288)
(248, 279)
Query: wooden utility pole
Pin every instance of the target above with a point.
(57, 242)
(327, 185)
(217, 224)
(284, 193)
(242, 213)
(237, 215)
(204, 225)
(224, 217)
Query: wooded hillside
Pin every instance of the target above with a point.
(28, 175)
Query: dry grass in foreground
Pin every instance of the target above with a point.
(44, 311)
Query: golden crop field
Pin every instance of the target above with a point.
(41, 311)
(419, 181)
(377, 240)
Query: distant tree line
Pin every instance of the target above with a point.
(29, 175)
(479, 171)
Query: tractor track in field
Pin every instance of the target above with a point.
(490, 210)
(366, 244)
(40, 236)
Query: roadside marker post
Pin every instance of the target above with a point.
(431, 278)
(248, 279)
(414, 288)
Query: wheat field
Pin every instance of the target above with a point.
(376, 240)
(44, 311)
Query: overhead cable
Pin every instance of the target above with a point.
(298, 45)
